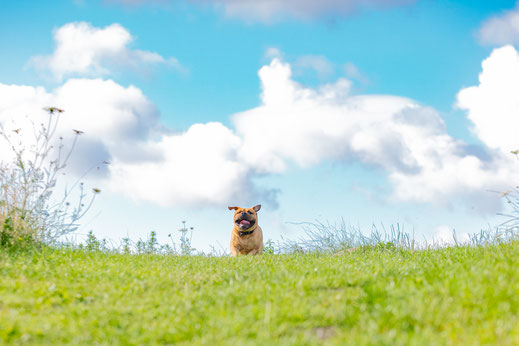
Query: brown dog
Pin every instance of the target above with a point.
(246, 236)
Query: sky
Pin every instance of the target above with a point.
(377, 112)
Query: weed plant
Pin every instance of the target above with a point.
(30, 211)
(149, 246)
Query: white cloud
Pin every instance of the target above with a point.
(351, 71)
(107, 109)
(493, 105)
(501, 30)
(307, 126)
(114, 118)
(317, 63)
(273, 52)
(198, 167)
(211, 164)
(84, 50)
(268, 10)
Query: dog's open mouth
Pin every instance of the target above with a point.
(244, 224)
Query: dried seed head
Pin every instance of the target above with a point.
(51, 110)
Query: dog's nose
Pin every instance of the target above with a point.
(243, 213)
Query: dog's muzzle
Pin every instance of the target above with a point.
(244, 223)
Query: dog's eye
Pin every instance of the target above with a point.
(249, 212)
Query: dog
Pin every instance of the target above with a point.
(246, 236)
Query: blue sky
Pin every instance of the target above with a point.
(204, 104)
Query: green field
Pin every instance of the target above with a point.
(460, 295)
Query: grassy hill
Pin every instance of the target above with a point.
(381, 295)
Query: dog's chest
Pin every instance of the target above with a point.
(246, 244)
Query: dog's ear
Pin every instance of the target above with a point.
(257, 207)
(232, 208)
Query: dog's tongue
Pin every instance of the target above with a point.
(244, 223)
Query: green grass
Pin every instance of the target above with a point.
(463, 295)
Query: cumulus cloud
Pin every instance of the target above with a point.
(268, 10)
(493, 105)
(147, 162)
(84, 50)
(211, 164)
(114, 118)
(408, 141)
(501, 30)
(198, 167)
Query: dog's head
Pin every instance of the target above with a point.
(245, 218)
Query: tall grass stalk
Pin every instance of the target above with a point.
(29, 209)
(510, 228)
(331, 237)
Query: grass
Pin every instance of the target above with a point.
(376, 295)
